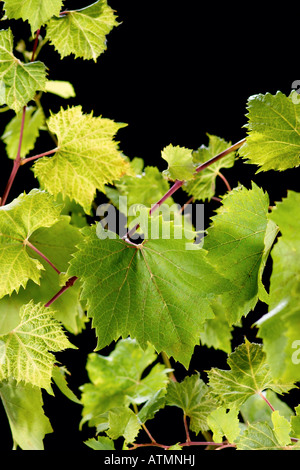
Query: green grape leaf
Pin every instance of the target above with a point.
(59, 377)
(87, 156)
(258, 436)
(61, 88)
(123, 422)
(18, 222)
(116, 380)
(203, 186)
(224, 422)
(146, 188)
(285, 278)
(217, 331)
(273, 141)
(19, 81)
(152, 406)
(279, 329)
(255, 409)
(192, 396)
(295, 423)
(57, 244)
(282, 428)
(24, 409)
(180, 163)
(25, 350)
(101, 443)
(236, 246)
(36, 12)
(249, 374)
(280, 326)
(82, 32)
(34, 122)
(158, 291)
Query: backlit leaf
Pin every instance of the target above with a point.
(87, 156)
(82, 32)
(19, 81)
(273, 141)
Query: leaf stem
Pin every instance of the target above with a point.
(35, 44)
(35, 157)
(225, 181)
(266, 400)
(68, 284)
(188, 439)
(26, 242)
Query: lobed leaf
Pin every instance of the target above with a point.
(249, 374)
(57, 244)
(116, 380)
(273, 141)
(87, 156)
(36, 12)
(82, 32)
(19, 82)
(159, 291)
(25, 350)
(19, 220)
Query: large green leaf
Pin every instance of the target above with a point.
(36, 12)
(158, 291)
(249, 374)
(237, 243)
(25, 350)
(87, 156)
(116, 380)
(273, 141)
(18, 81)
(18, 222)
(82, 32)
(23, 404)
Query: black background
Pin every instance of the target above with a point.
(173, 71)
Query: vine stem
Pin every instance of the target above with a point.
(179, 183)
(68, 284)
(183, 444)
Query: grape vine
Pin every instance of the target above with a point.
(159, 289)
